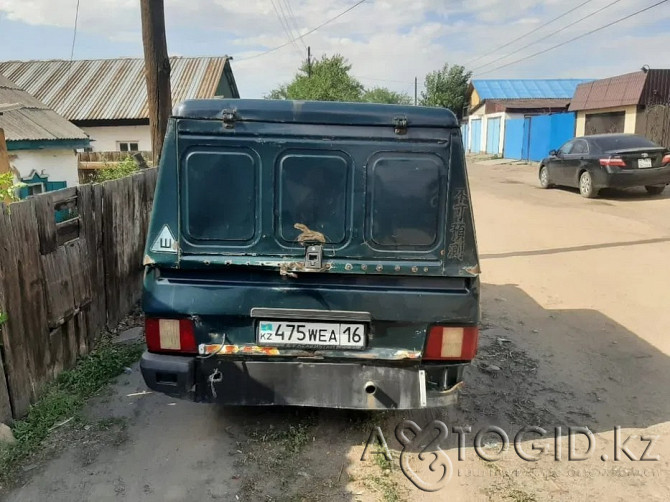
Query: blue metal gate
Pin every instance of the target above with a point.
(493, 136)
(476, 135)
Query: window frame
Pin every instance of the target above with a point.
(580, 141)
(571, 143)
(128, 143)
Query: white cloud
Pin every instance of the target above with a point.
(388, 42)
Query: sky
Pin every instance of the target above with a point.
(387, 42)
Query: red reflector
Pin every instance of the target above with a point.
(451, 343)
(666, 159)
(170, 335)
(612, 161)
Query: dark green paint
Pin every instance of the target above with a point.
(394, 208)
(58, 144)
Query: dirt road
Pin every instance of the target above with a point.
(576, 314)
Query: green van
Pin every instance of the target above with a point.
(311, 254)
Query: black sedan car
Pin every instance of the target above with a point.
(607, 160)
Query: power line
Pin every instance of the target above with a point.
(294, 22)
(303, 36)
(528, 33)
(547, 36)
(74, 34)
(577, 37)
(284, 25)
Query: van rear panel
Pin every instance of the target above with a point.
(284, 216)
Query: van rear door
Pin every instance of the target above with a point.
(375, 192)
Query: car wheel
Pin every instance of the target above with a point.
(654, 189)
(544, 177)
(586, 188)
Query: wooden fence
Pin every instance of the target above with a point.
(62, 283)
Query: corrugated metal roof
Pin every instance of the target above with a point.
(622, 90)
(111, 89)
(526, 89)
(32, 120)
(637, 88)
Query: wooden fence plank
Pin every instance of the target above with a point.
(46, 224)
(67, 231)
(32, 307)
(5, 405)
(60, 298)
(79, 262)
(16, 371)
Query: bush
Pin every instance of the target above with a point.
(121, 169)
(8, 189)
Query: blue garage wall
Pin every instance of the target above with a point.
(540, 135)
(531, 138)
(548, 132)
(464, 135)
(562, 129)
(513, 138)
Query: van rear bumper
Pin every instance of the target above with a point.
(302, 383)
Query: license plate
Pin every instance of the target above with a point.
(643, 163)
(332, 335)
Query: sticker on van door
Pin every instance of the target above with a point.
(165, 242)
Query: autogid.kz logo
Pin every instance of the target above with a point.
(430, 468)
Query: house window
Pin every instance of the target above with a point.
(35, 189)
(128, 146)
(602, 123)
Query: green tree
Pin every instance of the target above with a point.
(447, 88)
(384, 95)
(329, 80)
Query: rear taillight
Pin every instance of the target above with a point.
(170, 335)
(666, 159)
(613, 161)
(451, 343)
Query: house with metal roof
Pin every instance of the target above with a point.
(491, 103)
(41, 144)
(637, 102)
(107, 98)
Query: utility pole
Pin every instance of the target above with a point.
(309, 61)
(416, 85)
(4, 156)
(4, 160)
(157, 68)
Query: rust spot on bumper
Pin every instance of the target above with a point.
(216, 348)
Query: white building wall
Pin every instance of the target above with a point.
(107, 138)
(57, 164)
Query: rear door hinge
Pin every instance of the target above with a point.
(400, 125)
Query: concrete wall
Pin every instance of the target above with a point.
(58, 165)
(105, 139)
(629, 121)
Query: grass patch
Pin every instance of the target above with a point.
(63, 398)
(284, 444)
(386, 487)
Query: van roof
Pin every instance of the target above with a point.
(315, 112)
